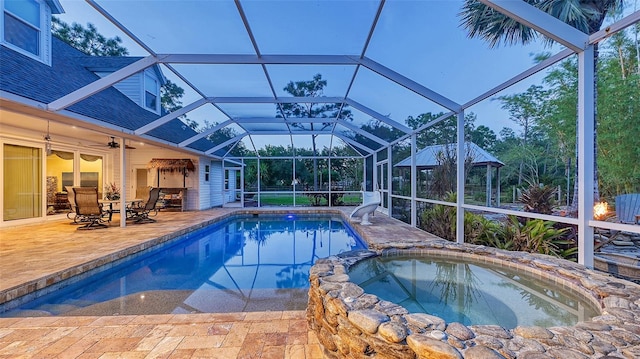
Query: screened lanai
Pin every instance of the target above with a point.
(317, 101)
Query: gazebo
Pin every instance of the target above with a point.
(431, 157)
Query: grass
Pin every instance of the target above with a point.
(302, 200)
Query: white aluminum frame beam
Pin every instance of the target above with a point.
(378, 116)
(292, 133)
(354, 144)
(297, 157)
(170, 116)
(460, 180)
(586, 128)
(225, 143)
(240, 99)
(410, 85)
(240, 59)
(615, 27)
(435, 122)
(542, 22)
(101, 84)
(293, 120)
(280, 120)
(362, 132)
(122, 28)
(543, 65)
(205, 133)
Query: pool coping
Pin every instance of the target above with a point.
(37, 287)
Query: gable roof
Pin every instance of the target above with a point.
(69, 71)
(427, 158)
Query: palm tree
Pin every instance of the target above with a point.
(585, 15)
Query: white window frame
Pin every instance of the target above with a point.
(150, 74)
(44, 29)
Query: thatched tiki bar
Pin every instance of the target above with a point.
(172, 165)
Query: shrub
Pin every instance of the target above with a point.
(531, 235)
(538, 199)
(537, 236)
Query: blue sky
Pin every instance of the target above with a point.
(421, 40)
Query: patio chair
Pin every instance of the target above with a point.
(140, 214)
(72, 215)
(628, 208)
(88, 209)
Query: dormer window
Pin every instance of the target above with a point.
(151, 91)
(25, 28)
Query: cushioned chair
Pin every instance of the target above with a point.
(140, 214)
(72, 204)
(72, 215)
(88, 209)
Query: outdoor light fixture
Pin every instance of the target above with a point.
(47, 145)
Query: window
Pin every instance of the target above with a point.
(23, 24)
(91, 171)
(206, 173)
(150, 93)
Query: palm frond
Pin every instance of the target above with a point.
(483, 22)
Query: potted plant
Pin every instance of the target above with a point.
(112, 192)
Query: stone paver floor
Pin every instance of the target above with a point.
(48, 250)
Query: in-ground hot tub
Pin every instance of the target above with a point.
(350, 321)
(471, 292)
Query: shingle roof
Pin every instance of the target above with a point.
(427, 157)
(68, 72)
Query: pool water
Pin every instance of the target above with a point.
(470, 293)
(246, 263)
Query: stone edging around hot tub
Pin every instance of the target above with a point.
(351, 323)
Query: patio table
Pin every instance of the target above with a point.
(110, 202)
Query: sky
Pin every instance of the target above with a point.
(421, 40)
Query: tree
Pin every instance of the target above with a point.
(495, 27)
(87, 40)
(618, 120)
(313, 88)
(526, 109)
(445, 131)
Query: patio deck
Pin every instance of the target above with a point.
(33, 254)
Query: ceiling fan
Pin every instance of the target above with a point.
(114, 144)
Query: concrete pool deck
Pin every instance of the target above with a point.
(33, 255)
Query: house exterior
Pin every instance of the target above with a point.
(43, 151)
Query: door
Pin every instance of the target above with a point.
(382, 171)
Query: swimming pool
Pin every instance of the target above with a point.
(244, 263)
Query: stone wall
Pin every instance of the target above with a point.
(353, 324)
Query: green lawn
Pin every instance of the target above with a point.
(303, 200)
